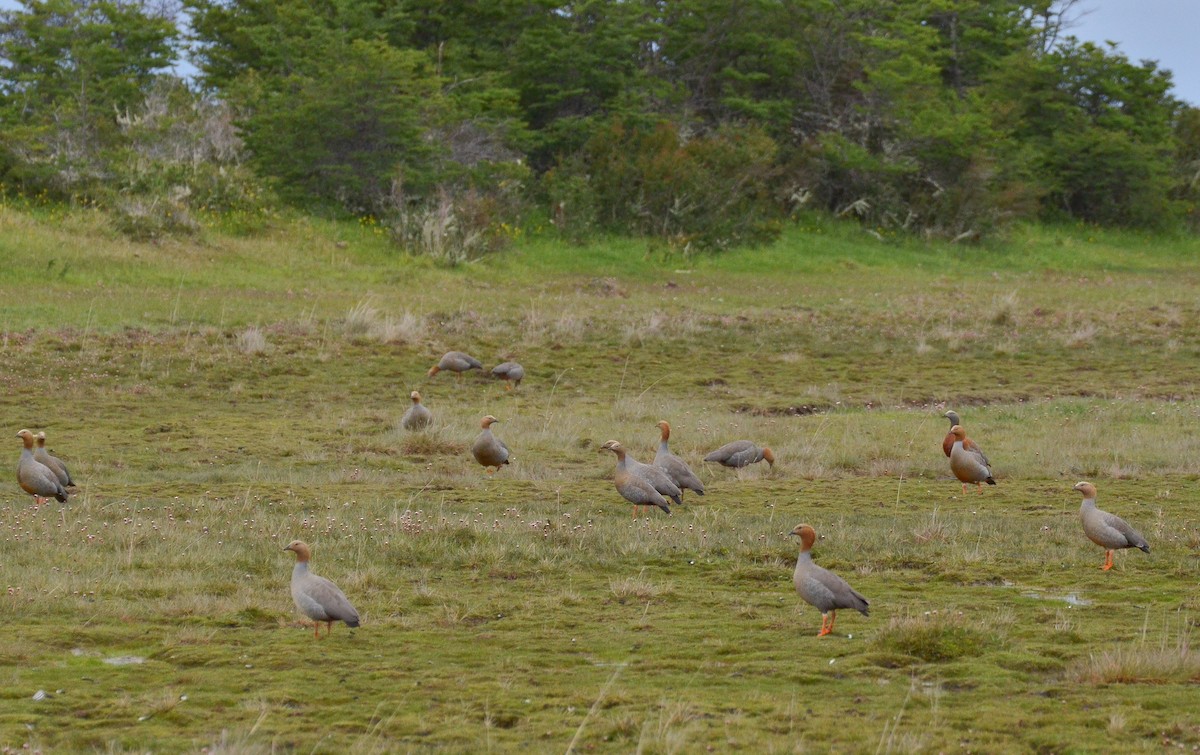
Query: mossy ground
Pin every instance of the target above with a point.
(530, 610)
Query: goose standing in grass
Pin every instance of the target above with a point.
(657, 478)
(317, 597)
(1109, 531)
(821, 588)
(511, 373)
(967, 461)
(417, 417)
(489, 450)
(456, 362)
(56, 465)
(34, 477)
(675, 467)
(633, 488)
(740, 453)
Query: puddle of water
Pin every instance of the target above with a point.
(1071, 599)
(124, 660)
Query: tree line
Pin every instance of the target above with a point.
(702, 123)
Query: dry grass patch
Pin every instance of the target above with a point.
(638, 587)
(251, 341)
(1140, 663)
(365, 321)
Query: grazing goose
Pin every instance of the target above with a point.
(633, 488)
(1109, 531)
(675, 467)
(417, 417)
(740, 453)
(820, 587)
(316, 597)
(489, 450)
(456, 362)
(511, 372)
(56, 465)
(34, 477)
(968, 462)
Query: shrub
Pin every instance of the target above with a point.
(705, 192)
(152, 218)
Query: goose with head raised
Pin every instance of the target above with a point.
(317, 597)
(1109, 531)
(632, 487)
(676, 468)
(489, 450)
(34, 477)
(821, 588)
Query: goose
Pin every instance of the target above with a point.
(821, 588)
(1109, 531)
(317, 597)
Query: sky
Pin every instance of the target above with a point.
(1160, 30)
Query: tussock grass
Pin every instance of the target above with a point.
(251, 341)
(1140, 662)
(933, 637)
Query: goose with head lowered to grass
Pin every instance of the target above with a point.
(741, 453)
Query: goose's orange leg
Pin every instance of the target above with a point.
(1108, 560)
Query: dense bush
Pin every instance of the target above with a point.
(706, 192)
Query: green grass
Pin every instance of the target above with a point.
(219, 397)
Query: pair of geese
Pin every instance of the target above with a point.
(40, 474)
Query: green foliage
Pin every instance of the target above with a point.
(72, 69)
(951, 118)
(344, 133)
(1103, 130)
(708, 192)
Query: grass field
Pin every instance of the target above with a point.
(219, 397)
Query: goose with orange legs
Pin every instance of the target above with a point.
(317, 597)
(1109, 531)
(511, 373)
(821, 588)
(968, 462)
(34, 477)
(632, 487)
(489, 450)
(456, 362)
(417, 417)
(676, 468)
